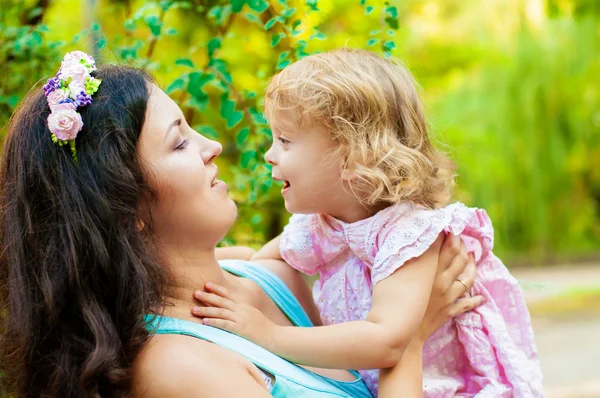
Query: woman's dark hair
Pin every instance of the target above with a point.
(77, 276)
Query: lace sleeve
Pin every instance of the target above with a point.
(298, 244)
(410, 234)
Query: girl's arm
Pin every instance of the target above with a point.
(399, 303)
(270, 251)
(446, 301)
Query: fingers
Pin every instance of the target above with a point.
(450, 249)
(456, 291)
(212, 312)
(213, 300)
(458, 263)
(469, 273)
(465, 304)
(230, 326)
(217, 289)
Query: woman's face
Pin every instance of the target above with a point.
(191, 205)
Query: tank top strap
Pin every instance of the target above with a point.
(272, 286)
(285, 372)
(290, 379)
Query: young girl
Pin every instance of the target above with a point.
(369, 195)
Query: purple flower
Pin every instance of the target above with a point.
(51, 85)
(67, 101)
(83, 99)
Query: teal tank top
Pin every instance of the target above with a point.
(290, 380)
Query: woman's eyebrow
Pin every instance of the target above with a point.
(173, 124)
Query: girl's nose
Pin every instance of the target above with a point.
(270, 156)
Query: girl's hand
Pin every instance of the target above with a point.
(223, 312)
(449, 296)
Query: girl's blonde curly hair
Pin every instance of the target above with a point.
(372, 109)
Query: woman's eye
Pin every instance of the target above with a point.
(184, 144)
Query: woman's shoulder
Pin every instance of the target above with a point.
(173, 365)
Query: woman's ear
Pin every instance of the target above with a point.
(140, 224)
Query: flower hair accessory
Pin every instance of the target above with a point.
(71, 88)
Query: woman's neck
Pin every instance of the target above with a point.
(190, 269)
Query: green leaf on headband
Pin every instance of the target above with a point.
(92, 84)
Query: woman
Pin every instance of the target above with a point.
(125, 226)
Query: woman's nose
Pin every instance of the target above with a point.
(211, 150)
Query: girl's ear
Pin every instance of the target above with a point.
(347, 175)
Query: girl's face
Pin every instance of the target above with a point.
(191, 205)
(303, 159)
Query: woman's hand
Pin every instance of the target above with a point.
(454, 278)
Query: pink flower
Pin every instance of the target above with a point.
(76, 87)
(77, 56)
(76, 71)
(56, 96)
(65, 122)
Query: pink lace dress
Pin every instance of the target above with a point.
(487, 352)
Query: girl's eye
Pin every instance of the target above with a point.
(283, 140)
(184, 144)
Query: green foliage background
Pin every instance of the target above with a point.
(512, 89)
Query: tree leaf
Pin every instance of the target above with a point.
(242, 136)
(197, 80)
(252, 18)
(312, 5)
(184, 62)
(288, 13)
(229, 113)
(318, 36)
(270, 23)
(213, 45)
(276, 38)
(283, 64)
(207, 131)
(389, 45)
(372, 42)
(393, 11)
(177, 84)
(283, 55)
(258, 5)
(154, 24)
(247, 157)
(222, 67)
(237, 5)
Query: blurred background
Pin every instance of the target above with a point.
(512, 90)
